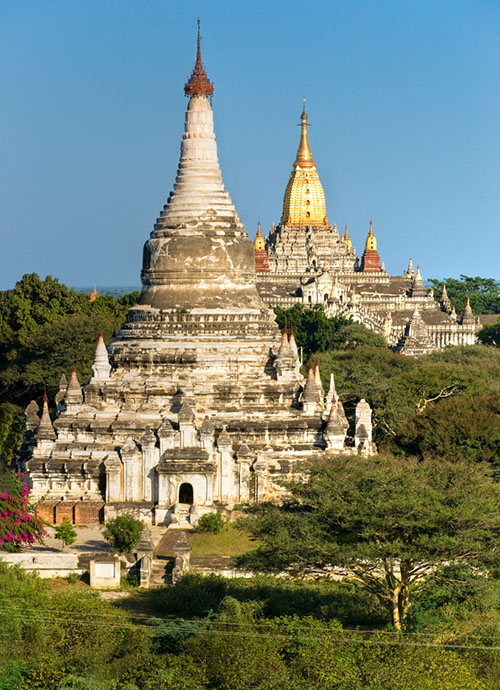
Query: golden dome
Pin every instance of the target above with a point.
(304, 202)
(259, 242)
(371, 242)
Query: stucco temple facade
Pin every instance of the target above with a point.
(198, 403)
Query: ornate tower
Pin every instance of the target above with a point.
(199, 405)
(198, 270)
(370, 261)
(304, 201)
(261, 260)
(304, 241)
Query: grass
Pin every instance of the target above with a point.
(228, 542)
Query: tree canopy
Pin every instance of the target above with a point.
(45, 328)
(484, 293)
(490, 334)
(422, 405)
(316, 332)
(388, 523)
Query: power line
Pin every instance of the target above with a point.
(65, 618)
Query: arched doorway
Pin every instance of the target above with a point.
(186, 493)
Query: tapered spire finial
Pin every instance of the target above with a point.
(198, 83)
(304, 155)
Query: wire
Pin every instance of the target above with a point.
(290, 635)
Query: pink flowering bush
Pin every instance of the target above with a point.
(19, 523)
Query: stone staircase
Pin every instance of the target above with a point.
(161, 572)
(163, 561)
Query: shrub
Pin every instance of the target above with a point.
(212, 522)
(123, 532)
(65, 532)
(19, 523)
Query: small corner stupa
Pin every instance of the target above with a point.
(198, 404)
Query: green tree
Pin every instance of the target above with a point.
(490, 334)
(123, 532)
(484, 293)
(399, 389)
(463, 427)
(316, 332)
(65, 532)
(389, 523)
(44, 329)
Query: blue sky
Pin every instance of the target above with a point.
(403, 100)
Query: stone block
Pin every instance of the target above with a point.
(105, 573)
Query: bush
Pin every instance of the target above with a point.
(123, 533)
(65, 532)
(19, 522)
(212, 522)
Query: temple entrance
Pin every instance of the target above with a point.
(186, 493)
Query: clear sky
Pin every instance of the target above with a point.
(403, 100)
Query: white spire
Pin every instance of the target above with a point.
(198, 186)
(101, 366)
(332, 393)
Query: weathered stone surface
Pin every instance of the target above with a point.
(204, 406)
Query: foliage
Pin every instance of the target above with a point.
(212, 522)
(123, 532)
(401, 390)
(77, 641)
(65, 532)
(490, 334)
(19, 523)
(12, 428)
(196, 595)
(388, 523)
(464, 427)
(484, 293)
(44, 329)
(316, 332)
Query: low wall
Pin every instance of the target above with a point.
(46, 564)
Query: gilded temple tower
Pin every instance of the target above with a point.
(304, 241)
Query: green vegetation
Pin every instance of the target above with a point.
(484, 293)
(78, 641)
(123, 532)
(211, 522)
(490, 334)
(315, 332)
(446, 402)
(388, 522)
(44, 329)
(65, 532)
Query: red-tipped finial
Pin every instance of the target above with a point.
(198, 83)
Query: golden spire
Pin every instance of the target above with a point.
(304, 201)
(371, 241)
(259, 242)
(304, 155)
(347, 239)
